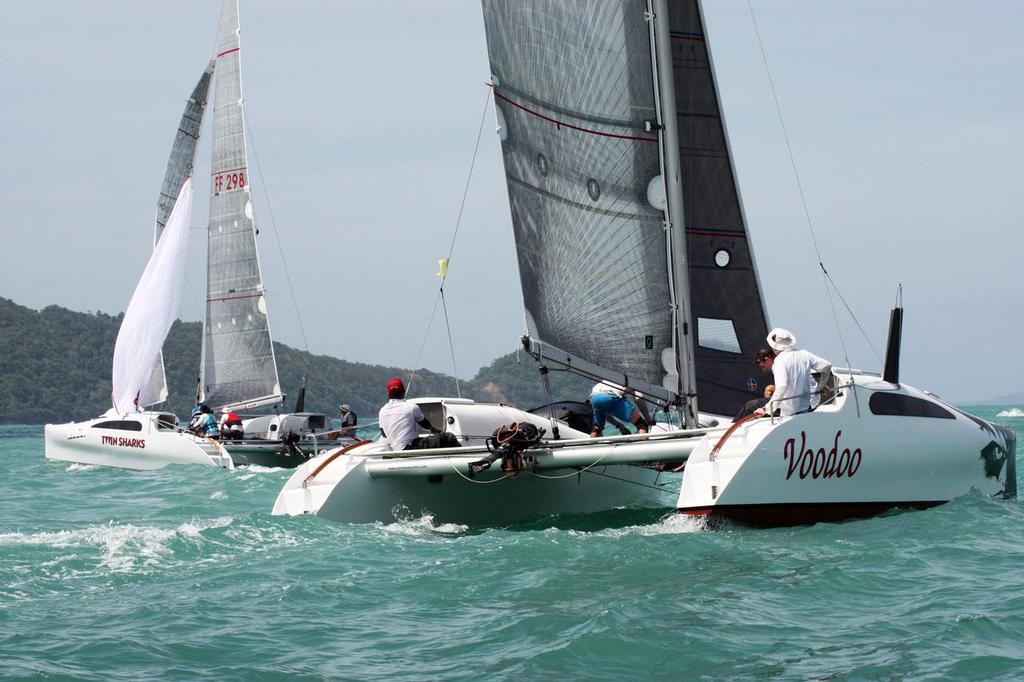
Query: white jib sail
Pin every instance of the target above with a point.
(153, 308)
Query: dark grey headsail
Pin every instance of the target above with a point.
(179, 167)
(239, 368)
(575, 100)
(727, 308)
(598, 103)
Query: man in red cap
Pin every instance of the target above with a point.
(398, 419)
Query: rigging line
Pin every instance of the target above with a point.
(423, 343)
(277, 238)
(588, 470)
(451, 345)
(469, 178)
(451, 250)
(800, 189)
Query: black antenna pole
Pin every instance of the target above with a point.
(300, 402)
(892, 347)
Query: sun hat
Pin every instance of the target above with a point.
(345, 408)
(781, 339)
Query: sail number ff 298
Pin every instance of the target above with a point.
(228, 181)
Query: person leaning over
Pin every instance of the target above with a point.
(791, 368)
(606, 399)
(398, 419)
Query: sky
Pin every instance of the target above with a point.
(905, 120)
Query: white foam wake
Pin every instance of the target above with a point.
(1012, 412)
(121, 546)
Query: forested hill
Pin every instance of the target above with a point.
(55, 367)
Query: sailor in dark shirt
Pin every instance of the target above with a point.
(756, 403)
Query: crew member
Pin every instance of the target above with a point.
(204, 424)
(348, 422)
(606, 399)
(398, 419)
(231, 425)
(791, 368)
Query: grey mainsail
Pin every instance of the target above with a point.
(179, 167)
(575, 100)
(596, 107)
(238, 365)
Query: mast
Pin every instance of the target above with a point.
(724, 321)
(661, 49)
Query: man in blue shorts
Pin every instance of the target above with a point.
(610, 399)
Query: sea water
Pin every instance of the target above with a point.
(182, 573)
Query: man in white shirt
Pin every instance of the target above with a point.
(791, 368)
(398, 419)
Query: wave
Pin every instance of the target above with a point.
(422, 525)
(1012, 412)
(121, 546)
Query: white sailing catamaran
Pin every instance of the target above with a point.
(636, 267)
(238, 367)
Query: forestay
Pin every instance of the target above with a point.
(179, 166)
(238, 357)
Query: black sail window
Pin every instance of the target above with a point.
(119, 425)
(899, 405)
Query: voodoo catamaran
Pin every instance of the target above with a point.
(636, 267)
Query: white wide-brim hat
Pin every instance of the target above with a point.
(781, 339)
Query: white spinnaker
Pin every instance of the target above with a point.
(153, 308)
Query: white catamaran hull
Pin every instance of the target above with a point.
(877, 446)
(854, 459)
(141, 441)
(576, 475)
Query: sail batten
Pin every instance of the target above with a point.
(238, 363)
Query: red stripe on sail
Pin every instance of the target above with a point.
(562, 124)
(232, 298)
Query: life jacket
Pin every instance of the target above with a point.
(209, 425)
(232, 419)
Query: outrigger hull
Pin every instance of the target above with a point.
(351, 493)
(574, 475)
(850, 460)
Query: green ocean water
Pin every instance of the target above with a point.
(183, 573)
